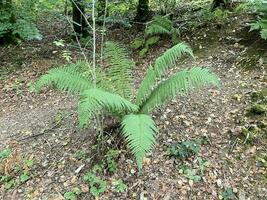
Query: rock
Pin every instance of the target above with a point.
(84, 188)
(236, 45)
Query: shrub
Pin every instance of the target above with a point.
(17, 21)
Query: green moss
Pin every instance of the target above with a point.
(143, 52)
(260, 96)
(152, 40)
(250, 134)
(257, 109)
(137, 43)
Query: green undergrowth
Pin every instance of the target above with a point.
(15, 168)
(254, 126)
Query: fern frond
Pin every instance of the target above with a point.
(66, 79)
(140, 131)
(120, 69)
(146, 84)
(159, 25)
(86, 69)
(170, 57)
(93, 101)
(262, 26)
(162, 64)
(156, 29)
(180, 83)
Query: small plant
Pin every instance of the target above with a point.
(184, 149)
(156, 28)
(221, 16)
(110, 159)
(97, 185)
(120, 187)
(259, 107)
(113, 92)
(5, 153)
(190, 174)
(80, 155)
(228, 194)
(195, 174)
(14, 168)
(262, 160)
(250, 134)
(24, 177)
(72, 195)
(66, 54)
(203, 164)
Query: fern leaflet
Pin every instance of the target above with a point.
(169, 58)
(139, 131)
(67, 79)
(93, 101)
(180, 83)
(120, 69)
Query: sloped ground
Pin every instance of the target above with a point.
(43, 128)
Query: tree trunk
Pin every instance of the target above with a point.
(79, 23)
(220, 4)
(142, 11)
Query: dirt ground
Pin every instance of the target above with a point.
(43, 127)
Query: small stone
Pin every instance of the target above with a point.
(219, 182)
(147, 161)
(235, 190)
(73, 180)
(84, 188)
(132, 171)
(236, 45)
(66, 184)
(191, 183)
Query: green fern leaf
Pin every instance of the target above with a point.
(170, 57)
(162, 64)
(93, 101)
(156, 29)
(66, 79)
(140, 131)
(120, 69)
(145, 87)
(180, 83)
(160, 25)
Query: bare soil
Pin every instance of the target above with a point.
(44, 126)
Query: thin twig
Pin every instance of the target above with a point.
(103, 32)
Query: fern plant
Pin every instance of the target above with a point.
(138, 128)
(159, 26)
(261, 23)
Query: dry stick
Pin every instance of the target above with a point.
(82, 50)
(103, 32)
(94, 43)
(98, 122)
(93, 27)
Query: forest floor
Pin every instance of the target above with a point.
(41, 129)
